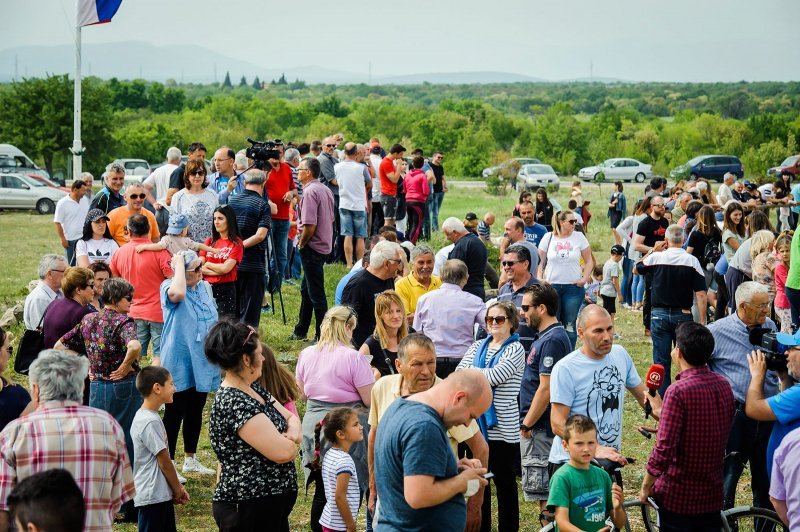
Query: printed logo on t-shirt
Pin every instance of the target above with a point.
(563, 249)
(222, 253)
(661, 231)
(604, 405)
(593, 505)
(547, 362)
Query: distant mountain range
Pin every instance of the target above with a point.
(195, 64)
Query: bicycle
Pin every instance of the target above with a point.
(737, 519)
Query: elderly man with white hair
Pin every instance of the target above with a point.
(86, 441)
(158, 181)
(724, 193)
(749, 439)
(469, 249)
(255, 221)
(387, 260)
(51, 272)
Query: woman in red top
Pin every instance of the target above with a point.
(219, 268)
(417, 190)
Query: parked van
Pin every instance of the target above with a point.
(712, 167)
(12, 159)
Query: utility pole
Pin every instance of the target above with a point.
(591, 71)
(16, 67)
(370, 73)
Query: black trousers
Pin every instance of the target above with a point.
(647, 303)
(265, 513)
(501, 463)
(377, 218)
(673, 522)
(416, 216)
(187, 408)
(227, 302)
(159, 517)
(722, 297)
(312, 291)
(747, 442)
(250, 294)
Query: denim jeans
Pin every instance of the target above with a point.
(149, 331)
(570, 297)
(121, 400)
(637, 288)
(280, 239)
(312, 290)
(293, 266)
(663, 324)
(436, 206)
(627, 281)
(70, 252)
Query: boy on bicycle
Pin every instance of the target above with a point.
(581, 493)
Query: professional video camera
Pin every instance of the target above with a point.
(262, 151)
(774, 351)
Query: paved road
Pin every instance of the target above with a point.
(565, 183)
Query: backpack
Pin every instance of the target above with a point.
(712, 253)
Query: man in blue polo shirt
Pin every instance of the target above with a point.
(783, 408)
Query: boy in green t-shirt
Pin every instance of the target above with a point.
(581, 493)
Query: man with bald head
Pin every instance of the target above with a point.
(418, 480)
(355, 183)
(118, 218)
(592, 381)
(415, 372)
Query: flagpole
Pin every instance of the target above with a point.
(77, 149)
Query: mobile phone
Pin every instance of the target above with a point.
(489, 475)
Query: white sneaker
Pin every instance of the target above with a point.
(192, 465)
(181, 478)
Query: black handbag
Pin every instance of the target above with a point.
(30, 346)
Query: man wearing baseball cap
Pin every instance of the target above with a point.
(609, 286)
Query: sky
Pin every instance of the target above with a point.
(634, 40)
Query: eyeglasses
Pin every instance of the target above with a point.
(398, 261)
(302, 169)
(197, 270)
(499, 320)
(59, 271)
(251, 333)
(330, 145)
(198, 173)
(662, 205)
(90, 285)
(138, 196)
(762, 307)
(223, 160)
(129, 297)
(10, 351)
(509, 263)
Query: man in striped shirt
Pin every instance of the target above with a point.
(62, 433)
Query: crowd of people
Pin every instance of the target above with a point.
(430, 378)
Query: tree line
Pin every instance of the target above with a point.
(568, 125)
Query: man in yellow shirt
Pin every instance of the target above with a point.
(416, 372)
(420, 281)
(118, 218)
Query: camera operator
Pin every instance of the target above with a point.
(783, 408)
(748, 437)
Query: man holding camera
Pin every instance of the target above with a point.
(748, 440)
(783, 408)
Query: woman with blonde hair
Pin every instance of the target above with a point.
(390, 327)
(764, 261)
(331, 374)
(278, 380)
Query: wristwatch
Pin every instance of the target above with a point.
(523, 426)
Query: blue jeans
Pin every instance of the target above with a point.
(663, 324)
(149, 331)
(570, 298)
(121, 400)
(435, 207)
(293, 266)
(280, 237)
(627, 281)
(637, 288)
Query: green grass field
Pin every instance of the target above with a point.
(25, 237)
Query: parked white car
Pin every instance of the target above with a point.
(618, 169)
(533, 176)
(19, 191)
(511, 163)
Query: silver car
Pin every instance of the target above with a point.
(533, 176)
(618, 169)
(22, 192)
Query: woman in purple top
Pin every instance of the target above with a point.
(65, 313)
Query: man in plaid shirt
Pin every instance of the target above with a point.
(62, 433)
(684, 472)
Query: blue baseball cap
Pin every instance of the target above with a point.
(177, 223)
(789, 340)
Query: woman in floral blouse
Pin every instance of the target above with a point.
(254, 436)
(108, 339)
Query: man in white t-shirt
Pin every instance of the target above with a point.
(355, 183)
(159, 181)
(591, 381)
(724, 194)
(69, 218)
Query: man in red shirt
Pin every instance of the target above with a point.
(145, 271)
(684, 472)
(391, 170)
(281, 191)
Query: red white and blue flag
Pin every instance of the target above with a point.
(96, 11)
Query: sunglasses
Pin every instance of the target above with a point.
(138, 196)
(330, 145)
(11, 351)
(499, 320)
(90, 285)
(251, 333)
(509, 263)
(129, 297)
(198, 173)
(197, 270)
(573, 221)
(526, 308)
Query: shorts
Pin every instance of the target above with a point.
(610, 303)
(352, 223)
(535, 475)
(389, 204)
